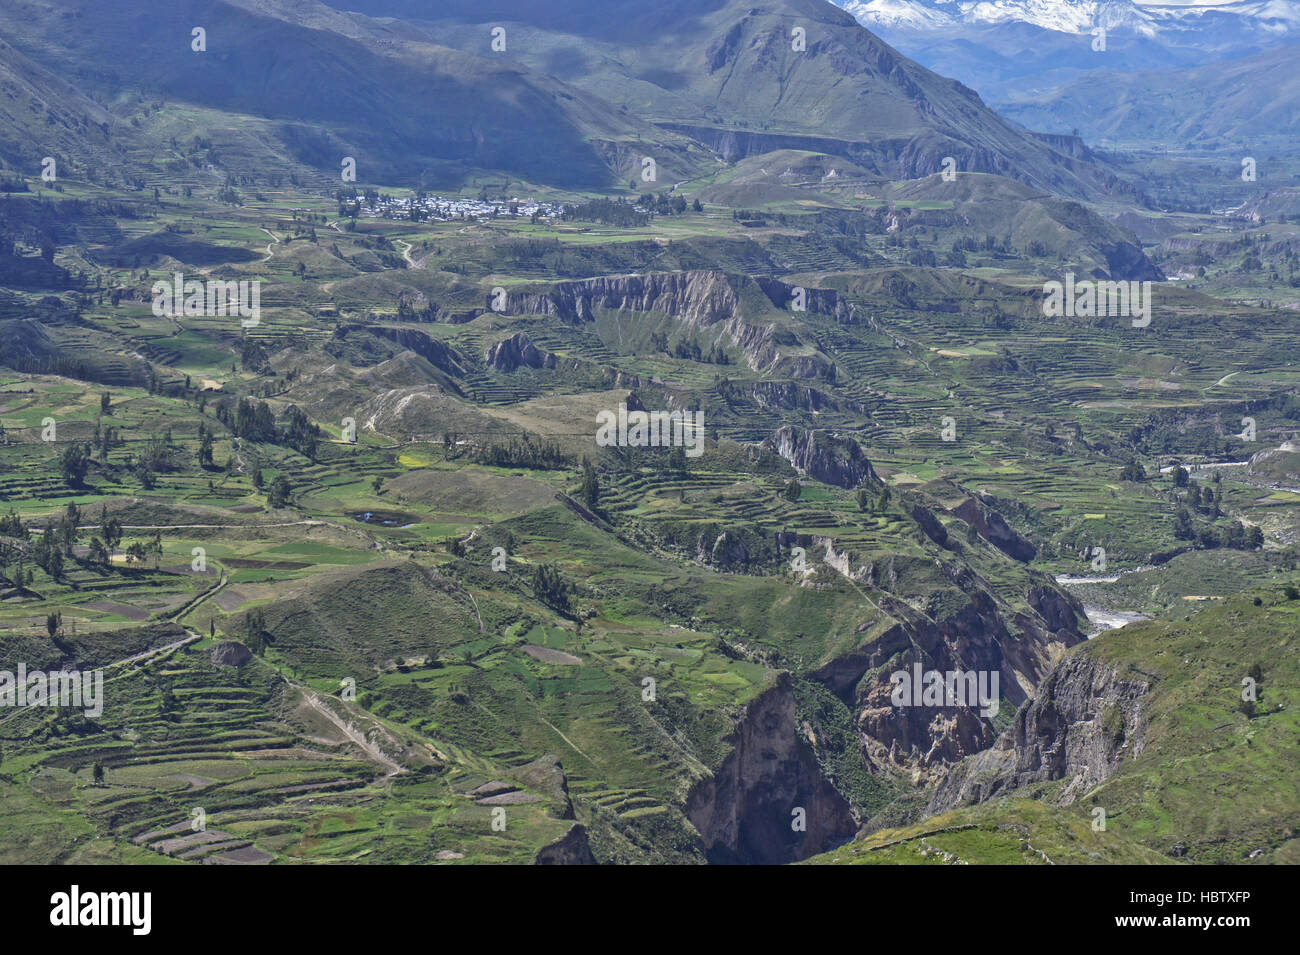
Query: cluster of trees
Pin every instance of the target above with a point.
(255, 421)
(523, 453)
(74, 464)
(1207, 501)
(615, 212)
(1133, 471)
(279, 494)
(590, 485)
(247, 419)
(550, 587)
(878, 505)
(1234, 535)
(665, 204)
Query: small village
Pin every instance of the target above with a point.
(433, 208)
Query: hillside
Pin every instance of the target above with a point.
(1143, 722)
(726, 74)
(658, 454)
(318, 90)
(1130, 107)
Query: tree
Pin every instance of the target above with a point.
(1133, 471)
(1235, 537)
(1181, 477)
(255, 630)
(69, 527)
(677, 462)
(106, 403)
(278, 495)
(97, 773)
(550, 587)
(74, 464)
(112, 530)
(53, 624)
(793, 490)
(1183, 527)
(863, 499)
(47, 554)
(590, 484)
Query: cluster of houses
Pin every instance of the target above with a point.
(447, 209)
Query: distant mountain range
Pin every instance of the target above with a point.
(1010, 49)
(1228, 111)
(578, 97)
(727, 74)
(1081, 16)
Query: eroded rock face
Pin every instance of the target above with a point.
(516, 351)
(712, 305)
(794, 396)
(820, 455)
(977, 638)
(744, 812)
(932, 526)
(1084, 721)
(231, 653)
(993, 528)
(572, 849)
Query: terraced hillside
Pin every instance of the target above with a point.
(502, 504)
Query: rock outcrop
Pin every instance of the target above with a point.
(572, 849)
(768, 802)
(981, 638)
(820, 455)
(931, 525)
(1083, 722)
(993, 527)
(231, 653)
(710, 305)
(515, 352)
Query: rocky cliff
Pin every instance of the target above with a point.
(1085, 719)
(516, 351)
(993, 527)
(820, 455)
(752, 808)
(711, 304)
(982, 637)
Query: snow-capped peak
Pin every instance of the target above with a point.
(1067, 16)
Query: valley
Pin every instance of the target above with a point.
(600, 442)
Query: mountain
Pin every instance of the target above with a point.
(324, 86)
(1228, 111)
(42, 114)
(726, 73)
(1009, 48)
